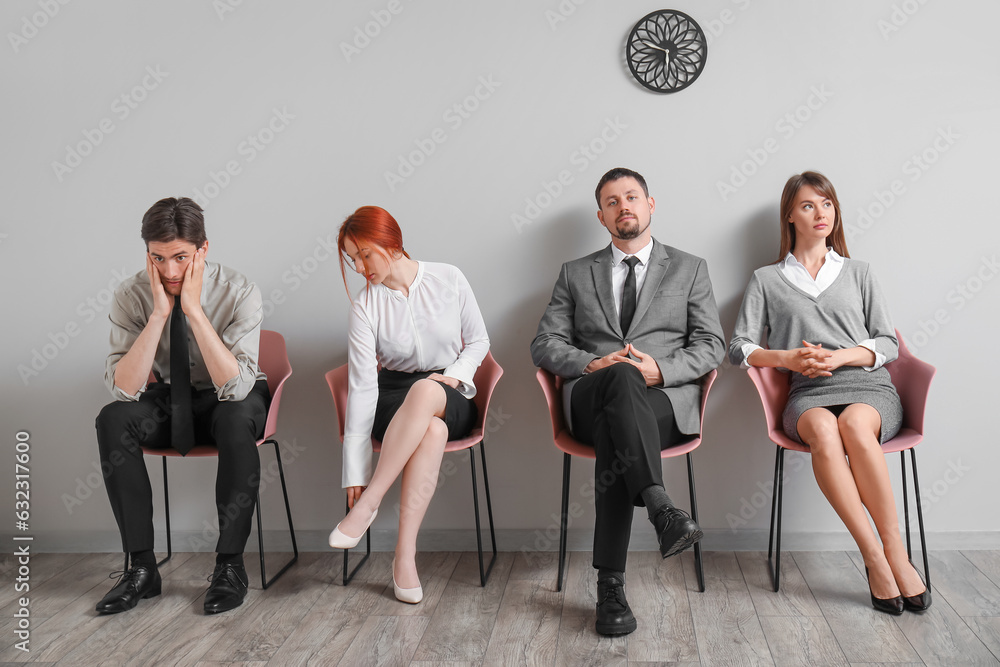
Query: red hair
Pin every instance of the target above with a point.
(373, 227)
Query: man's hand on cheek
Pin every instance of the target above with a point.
(163, 302)
(191, 287)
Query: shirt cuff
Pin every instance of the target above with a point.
(747, 350)
(120, 395)
(879, 358)
(357, 461)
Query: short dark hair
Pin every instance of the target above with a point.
(171, 219)
(616, 174)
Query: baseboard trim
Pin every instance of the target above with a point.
(514, 540)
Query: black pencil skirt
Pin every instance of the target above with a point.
(459, 415)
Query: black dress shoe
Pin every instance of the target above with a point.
(136, 584)
(228, 588)
(613, 614)
(892, 606)
(676, 531)
(918, 602)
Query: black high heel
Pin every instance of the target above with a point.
(920, 601)
(892, 606)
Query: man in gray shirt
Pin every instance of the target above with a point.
(195, 326)
(632, 328)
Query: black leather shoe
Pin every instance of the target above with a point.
(136, 584)
(918, 602)
(676, 531)
(892, 606)
(228, 588)
(613, 614)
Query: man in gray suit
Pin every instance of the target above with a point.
(632, 328)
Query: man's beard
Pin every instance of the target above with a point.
(631, 231)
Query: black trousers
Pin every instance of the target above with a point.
(123, 427)
(628, 424)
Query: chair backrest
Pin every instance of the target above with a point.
(552, 388)
(273, 360)
(337, 381)
(486, 378)
(912, 379)
(772, 388)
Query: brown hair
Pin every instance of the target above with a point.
(371, 226)
(822, 185)
(171, 219)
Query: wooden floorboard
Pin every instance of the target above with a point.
(821, 615)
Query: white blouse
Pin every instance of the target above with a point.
(436, 326)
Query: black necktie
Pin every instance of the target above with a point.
(628, 295)
(181, 417)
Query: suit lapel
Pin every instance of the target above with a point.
(657, 269)
(601, 269)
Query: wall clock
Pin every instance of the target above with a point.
(666, 51)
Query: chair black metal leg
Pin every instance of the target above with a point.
(166, 514)
(483, 573)
(563, 517)
(264, 581)
(906, 503)
(699, 569)
(920, 517)
(349, 574)
(484, 576)
(779, 474)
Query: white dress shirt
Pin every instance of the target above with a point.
(619, 271)
(436, 326)
(799, 276)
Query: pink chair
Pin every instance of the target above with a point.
(912, 379)
(274, 363)
(486, 378)
(564, 441)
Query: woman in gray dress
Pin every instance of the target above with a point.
(828, 324)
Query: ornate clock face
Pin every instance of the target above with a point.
(666, 51)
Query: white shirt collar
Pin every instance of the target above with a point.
(643, 254)
(831, 256)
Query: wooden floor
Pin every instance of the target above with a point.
(821, 616)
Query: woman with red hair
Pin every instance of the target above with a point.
(420, 322)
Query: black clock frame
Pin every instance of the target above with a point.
(682, 36)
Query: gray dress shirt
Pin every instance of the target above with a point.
(232, 304)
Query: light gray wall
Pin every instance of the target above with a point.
(890, 83)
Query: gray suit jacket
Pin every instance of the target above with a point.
(676, 322)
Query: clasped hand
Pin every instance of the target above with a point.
(814, 361)
(646, 364)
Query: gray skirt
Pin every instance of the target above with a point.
(848, 384)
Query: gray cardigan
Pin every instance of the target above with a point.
(849, 311)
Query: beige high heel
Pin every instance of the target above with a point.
(339, 540)
(408, 595)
